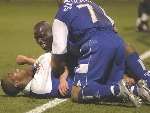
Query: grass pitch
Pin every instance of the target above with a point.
(16, 37)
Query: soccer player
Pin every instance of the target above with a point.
(43, 36)
(27, 76)
(143, 16)
(42, 31)
(89, 31)
(38, 80)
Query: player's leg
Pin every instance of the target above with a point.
(98, 60)
(136, 65)
(97, 56)
(97, 92)
(94, 90)
(143, 16)
(118, 69)
(141, 89)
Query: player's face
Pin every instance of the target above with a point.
(43, 35)
(44, 42)
(18, 76)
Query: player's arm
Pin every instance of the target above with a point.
(59, 50)
(63, 86)
(21, 60)
(59, 45)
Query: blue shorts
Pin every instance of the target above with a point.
(102, 59)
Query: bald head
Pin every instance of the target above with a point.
(43, 35)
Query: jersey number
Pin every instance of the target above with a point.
(91, 11)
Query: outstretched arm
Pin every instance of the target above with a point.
(21, 60)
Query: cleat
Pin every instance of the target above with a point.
(143, 90)
(124, 92)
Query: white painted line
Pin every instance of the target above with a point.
(56, 101)
(145, 55)
(48, 105)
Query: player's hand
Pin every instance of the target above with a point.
(21, 59)
(63, 87)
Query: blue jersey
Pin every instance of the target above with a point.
(88, 31)
(82, 15)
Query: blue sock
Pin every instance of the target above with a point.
(95, 90)
(136, 66)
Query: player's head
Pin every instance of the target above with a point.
(43, 35)
(15, 81)
(60, 2)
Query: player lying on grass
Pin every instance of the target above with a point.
(37, 80)
(101, 51)
(37, 87)
(132, 59)
(41, 80)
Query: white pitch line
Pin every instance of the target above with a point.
(56, 101)
(48, 105)
(145, 55)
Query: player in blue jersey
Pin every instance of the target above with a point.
(42, 34)
(85, 27)
(42, 31)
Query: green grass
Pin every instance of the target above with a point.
(16, 23)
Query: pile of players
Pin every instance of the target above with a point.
(84, 59)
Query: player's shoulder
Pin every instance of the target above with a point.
(44, 56)
(48, 54)
(69, 7)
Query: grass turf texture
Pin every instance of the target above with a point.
(16, 23)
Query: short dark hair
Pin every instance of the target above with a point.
(9, 88)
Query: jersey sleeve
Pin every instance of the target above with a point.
(60, 34)
(62, 14)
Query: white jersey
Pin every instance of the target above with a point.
(41, 82)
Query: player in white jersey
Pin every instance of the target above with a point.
(41, 82)
(37, 80)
